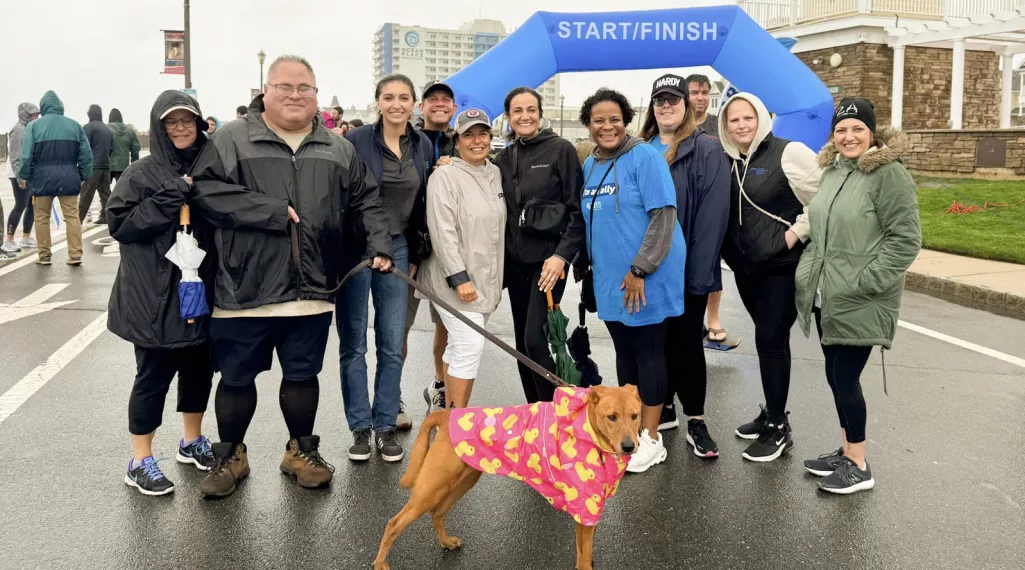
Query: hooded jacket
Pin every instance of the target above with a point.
(16, 136)
(246, 179)
(701, 174)
(769, 191)
(543, 169)
(126, 142)
(865, 234)
(142, 215)
(466, 217)
(55, 153)
(100, 138)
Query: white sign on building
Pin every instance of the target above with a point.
(411, 60)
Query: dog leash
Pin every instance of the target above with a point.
(537, 368)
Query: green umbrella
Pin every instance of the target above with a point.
(555, 331)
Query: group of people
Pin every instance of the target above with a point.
(285, 206)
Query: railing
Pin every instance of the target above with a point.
(782, 13)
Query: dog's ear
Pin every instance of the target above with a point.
(596, 394)
(632, 388)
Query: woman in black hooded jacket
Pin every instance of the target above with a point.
(143, 216)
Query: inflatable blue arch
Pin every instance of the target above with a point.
(723, 37)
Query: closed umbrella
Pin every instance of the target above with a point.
(580, 348)
(555, 331)
(186, 254)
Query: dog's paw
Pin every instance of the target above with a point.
(451, 543)
(381, 566)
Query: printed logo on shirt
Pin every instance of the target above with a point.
(756, 171)
(606, 190)
(533, 166)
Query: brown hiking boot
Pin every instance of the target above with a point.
(302, 460)
(231, 466)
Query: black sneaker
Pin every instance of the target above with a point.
(697, 436)
(668, 419)
(752, 430)
(388, 446)
(360, 448)
(825, 464)
(148, 478)
(199, 454)
(773, 442)
(847, 478)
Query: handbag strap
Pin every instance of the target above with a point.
(590, 222)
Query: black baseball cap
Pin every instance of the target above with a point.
(669, 83)
(436, 85)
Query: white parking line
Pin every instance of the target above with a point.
(58, 247)
(963, 344)
(12, 399)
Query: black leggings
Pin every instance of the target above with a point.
(685, 356)
(155, 369)
(768, 297)
(844, 365)
(640, 359)
(22, 209)
(530, 313)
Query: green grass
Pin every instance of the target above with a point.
(994, 233)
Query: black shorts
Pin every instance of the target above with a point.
(244, 346)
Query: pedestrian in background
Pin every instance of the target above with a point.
(126, 145)
(541, 178)
(466, 216)
(101, 140)
(865, 234)
(701, 176)
(400, 159)
(212, 125)
(336, 115)
(282, 191)
(55, 161)
(143, 216)
(636, 256)
(241, 111)
(27, 112)
(772, 182)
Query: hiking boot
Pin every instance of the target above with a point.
(231, 466)
(147, 477)
(198, 453)
(402, 421)
(668, 419)
(44, 260)
(388, 446)
(751, 430)
(303, 461)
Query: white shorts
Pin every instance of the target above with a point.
(465, 345)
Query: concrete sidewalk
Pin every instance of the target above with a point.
(988, 285)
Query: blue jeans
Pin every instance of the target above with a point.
(352, 316)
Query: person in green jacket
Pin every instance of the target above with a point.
(126, 145)
(865, 233)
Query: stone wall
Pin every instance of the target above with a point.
(954, 153)
(866, 71)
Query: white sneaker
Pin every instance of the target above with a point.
(402, 421)
(27, 243)
(435, 397)
(649, 452)
(10, 247)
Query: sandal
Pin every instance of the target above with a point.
(716, 332)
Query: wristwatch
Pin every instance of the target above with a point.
(638, 272)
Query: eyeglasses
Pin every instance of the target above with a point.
(286, 90)
(660, 100)
(186, 123)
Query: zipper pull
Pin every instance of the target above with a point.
(523, 217)
(294, 163)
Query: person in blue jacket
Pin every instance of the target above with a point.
(701, 175)
(400, 158)
(636, 254)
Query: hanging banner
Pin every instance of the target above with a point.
(174, 52)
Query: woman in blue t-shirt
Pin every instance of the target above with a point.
(636, 251)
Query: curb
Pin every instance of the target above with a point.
(974, 296)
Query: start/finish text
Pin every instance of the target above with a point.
(658, 31)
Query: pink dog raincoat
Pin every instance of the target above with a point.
(547, 445)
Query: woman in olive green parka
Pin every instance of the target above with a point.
(865, 234)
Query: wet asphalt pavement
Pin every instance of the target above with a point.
(945, 447)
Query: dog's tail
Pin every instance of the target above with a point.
(420, 448)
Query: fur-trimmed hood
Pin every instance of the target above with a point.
(894, 144)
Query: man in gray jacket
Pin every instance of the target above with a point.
(27, 112)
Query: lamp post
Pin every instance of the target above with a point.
(562, 104)
(188, 48)
(261, 56)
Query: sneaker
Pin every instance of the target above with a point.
(402, 421)
(697, 436)
(4, 255)
(74, 261)
(752, 430)
(649, 452)
(848, 478)
(303, 461)
(668, 418)
(27, 243)
(360, 448)
(388, 446)
(773, 442)
(434, 394)
(10, 247)
(198, 453)
(231, 466)
(148, 478)
(43, 261)
(825, 464)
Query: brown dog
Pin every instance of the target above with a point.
(590, 430)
